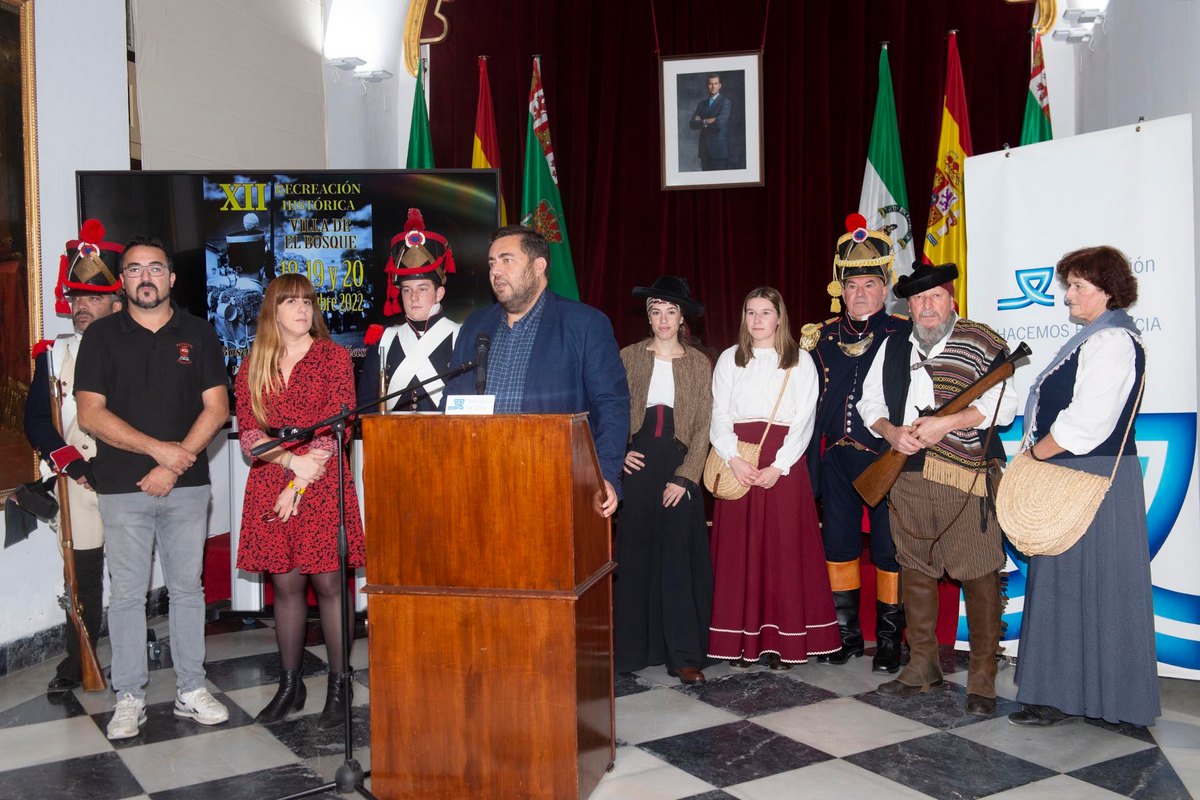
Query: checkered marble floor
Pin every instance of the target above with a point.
(816, 731)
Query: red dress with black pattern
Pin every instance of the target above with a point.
(319, 384)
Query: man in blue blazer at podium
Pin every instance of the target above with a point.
(546, 354)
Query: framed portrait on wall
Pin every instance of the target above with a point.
(711, 111)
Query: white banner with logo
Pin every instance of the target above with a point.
(1131, 188)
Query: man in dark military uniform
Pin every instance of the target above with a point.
(842, 348)
(88, 289)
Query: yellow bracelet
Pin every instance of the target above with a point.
(297, 489)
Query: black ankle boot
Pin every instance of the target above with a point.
(334, 713)
(288, 698)
(889, 627)
(846, 605)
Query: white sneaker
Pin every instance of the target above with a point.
(200, 705)
(128, 717)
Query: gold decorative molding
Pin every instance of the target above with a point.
(1047, 14)
(412, 31)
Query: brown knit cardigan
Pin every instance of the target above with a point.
(693, 400)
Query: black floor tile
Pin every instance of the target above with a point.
(257, 670)
(627, 683)
(734, 753)
(756, 693)
(949, 767)
(1136, 731)
(301, 736)
(942, 707)
(44, 708)
(277, 782)
(1145, 775)
(162, 725)
(103, 776)
(715, 794)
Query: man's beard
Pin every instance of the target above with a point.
(928, 337)
(158, 300)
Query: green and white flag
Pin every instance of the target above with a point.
(1036, 125)
(884, 200)
(541, 203)
(420, 143)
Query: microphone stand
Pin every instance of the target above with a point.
(350, 775)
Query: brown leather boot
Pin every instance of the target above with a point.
(983, 621)
(920, 595)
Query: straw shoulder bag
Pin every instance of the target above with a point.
(1045, 508)
(718, 475)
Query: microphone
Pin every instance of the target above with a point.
(482, 343)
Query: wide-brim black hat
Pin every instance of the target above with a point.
(924, 278)
(674, 290)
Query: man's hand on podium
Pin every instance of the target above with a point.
(606, 500)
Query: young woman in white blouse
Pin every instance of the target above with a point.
(771, 588)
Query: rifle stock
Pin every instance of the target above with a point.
(92, 675)
(877, 480)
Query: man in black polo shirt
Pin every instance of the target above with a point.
(150, 386)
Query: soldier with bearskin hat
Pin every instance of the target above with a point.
(88, 289)
(404, 355)
(842, 348)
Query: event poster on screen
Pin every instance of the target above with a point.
(231, 233)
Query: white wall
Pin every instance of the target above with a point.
(83, 123)
(226, 84)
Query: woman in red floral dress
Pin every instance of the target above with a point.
(296, 376)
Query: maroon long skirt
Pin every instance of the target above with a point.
(771, 588)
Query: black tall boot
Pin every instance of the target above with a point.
(846, 605)
(889, 627)
(288, 698)
(336, 698)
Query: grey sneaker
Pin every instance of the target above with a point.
(200, 705)
(128, 717)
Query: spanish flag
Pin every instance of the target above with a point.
(485, 154)
(946, 231)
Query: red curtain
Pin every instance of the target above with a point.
(601, 79)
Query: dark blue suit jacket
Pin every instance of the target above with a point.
(575, 366)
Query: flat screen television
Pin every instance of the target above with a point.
(230, 233)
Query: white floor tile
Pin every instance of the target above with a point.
(843, 726)
(197, 759)
(1060, 787)
(659, 783)
(1063, 748)
(650, 715)
(829, 780)
(26, 745)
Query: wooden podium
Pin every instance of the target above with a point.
(490, 598)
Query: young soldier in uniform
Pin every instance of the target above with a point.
(421, 346)
(842, 447)
(87, 290)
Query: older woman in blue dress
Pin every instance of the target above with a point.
(1087, 637)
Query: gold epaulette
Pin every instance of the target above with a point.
(810, 334)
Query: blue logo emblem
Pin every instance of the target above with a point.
(458, 405)
(1034, 285)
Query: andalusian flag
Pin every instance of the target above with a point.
(1036, 126)
(420, 143)
(485, 153)
(946, 231)
(541, 204)
(884, 200)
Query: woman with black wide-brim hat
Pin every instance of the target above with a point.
(662, 595)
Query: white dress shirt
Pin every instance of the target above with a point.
(1103, 381)
(747, 394)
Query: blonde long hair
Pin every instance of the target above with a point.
(265, 378)
(785, 343)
